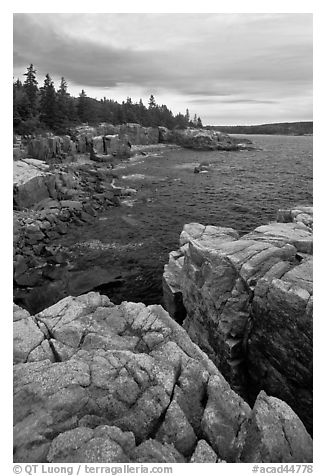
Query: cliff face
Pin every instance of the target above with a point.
(105, 139)
(95, 382)
(248, 303)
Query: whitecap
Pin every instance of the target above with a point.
(133, 177)
(127, 202)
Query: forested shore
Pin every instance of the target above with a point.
(40, 109)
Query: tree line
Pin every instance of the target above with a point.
(39, 109)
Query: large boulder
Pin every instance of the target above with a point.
(33, 183)
(116, 146)
(248, 303)
(29, 182)
(126, 384)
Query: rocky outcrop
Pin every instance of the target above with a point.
(121, 140)
(105, 140)
(165, 135)
(99, 383)
(48, 202)
(297, 215)
(19, 150)
(46, 148)
(248, 303)
(139, 135)
(106, 148)
(204, 139)
(34, 182)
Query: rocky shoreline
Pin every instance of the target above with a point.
(98, 382)
(62, 182)
(217, 378)
(247, 302)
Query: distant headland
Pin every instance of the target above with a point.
(283, 128)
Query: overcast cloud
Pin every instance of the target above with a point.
(227, 68)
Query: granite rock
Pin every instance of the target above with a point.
(123, 379)
(248, 305)
(275, 434)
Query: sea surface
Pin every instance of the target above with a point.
(124, 252)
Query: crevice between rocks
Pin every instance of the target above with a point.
(161, 418)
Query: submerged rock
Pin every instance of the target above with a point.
(126, 384)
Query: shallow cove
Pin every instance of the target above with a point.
(123, 252)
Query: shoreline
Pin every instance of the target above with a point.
(104, 365)
(152, 147)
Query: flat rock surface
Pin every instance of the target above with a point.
(297, 234)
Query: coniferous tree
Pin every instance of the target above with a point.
(59, 111)
(187, 117)
(82, 106)
(141, 113)
(199, 123)
(72, 110)
(180, 121)
(48, 105)
(129, 111)
(151, 102)
(31, 89)
(153, 112)
(63, 118)
(21, 110)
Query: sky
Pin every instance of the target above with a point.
(229, 69)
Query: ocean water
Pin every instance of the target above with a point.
(124, 252)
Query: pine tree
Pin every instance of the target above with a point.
(199, 123)
(48, 110)
(151, 102)
(82, 106)
(21, 110)
(153, 112)
(129, 110)
(63, 106)
(187, 116)
(62, 91)
(31, 89)
(141, 113)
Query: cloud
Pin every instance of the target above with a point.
(247, 59)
